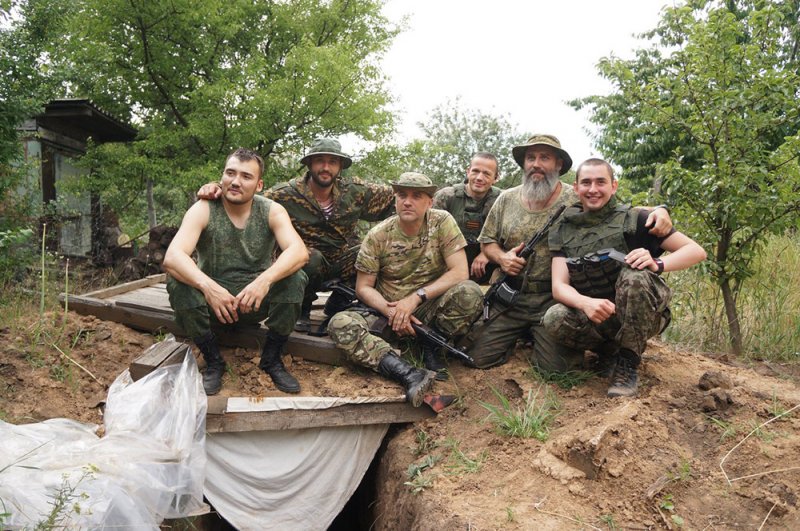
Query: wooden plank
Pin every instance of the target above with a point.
(293, 419)
(128, 286)
(159, 355)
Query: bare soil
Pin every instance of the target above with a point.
(676, 456)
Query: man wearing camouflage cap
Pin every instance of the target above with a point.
(516, 216)
(325, 208)
(411, 268)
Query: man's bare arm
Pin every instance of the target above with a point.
(508, 261)
(179, 264)
(210, 191)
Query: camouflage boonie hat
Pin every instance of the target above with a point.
(327, 146)
(411, 180)
(543, 140)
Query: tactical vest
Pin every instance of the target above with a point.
(470, 218)
(237, 255)
(584, 233)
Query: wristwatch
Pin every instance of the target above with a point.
(660, 264)
(422, 295)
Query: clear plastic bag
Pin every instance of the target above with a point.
(149, 465)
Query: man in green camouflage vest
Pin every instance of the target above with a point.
(325, 208)
(611, 303)
(412, 268)
(469, 203)
(516, 216)
(235, 278)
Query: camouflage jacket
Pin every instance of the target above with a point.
(353, 200)
(468, 213)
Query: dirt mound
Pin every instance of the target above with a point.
(649, 462)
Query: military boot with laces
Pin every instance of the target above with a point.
(625, 380)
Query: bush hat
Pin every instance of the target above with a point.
(542, 140)
(327, 146)
(411, 180)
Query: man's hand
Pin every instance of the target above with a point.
(512, 264)
(210, 191)
(598, 310)
(478, 268)
(401, 315)
(250, 298)
(641, 259)
(660, 222)
(222, 302)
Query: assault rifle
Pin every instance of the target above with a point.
(424, 333)
(506, 289)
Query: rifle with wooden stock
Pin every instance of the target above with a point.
(506, 288)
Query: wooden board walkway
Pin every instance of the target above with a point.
(144, 305)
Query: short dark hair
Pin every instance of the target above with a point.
(488, 156)
(594, 162)
(246, 155)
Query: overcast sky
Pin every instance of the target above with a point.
(523, 58)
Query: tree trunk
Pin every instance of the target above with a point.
(733, 318)
(151, 207)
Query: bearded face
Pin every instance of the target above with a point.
(539, 186)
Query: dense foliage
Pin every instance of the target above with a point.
(709, 113)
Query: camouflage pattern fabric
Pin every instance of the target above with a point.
(468, 213)
(511, 223)
(451, 313)
(353, 200)
(234, 257)
(642, 299)
(470, 216)
(405, 263)
(492, 342)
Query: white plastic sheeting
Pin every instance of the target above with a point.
(290, 479)
(149, 465)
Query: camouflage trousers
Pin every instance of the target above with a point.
(321, 268)
(281, 306)
(641, 312)
(492, 342)
(451, 314)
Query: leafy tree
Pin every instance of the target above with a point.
(711, 110)
(452, 134)
(201, 77)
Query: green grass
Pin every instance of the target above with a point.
(564, 380)
(461, 463)
(769, 307)
(424, 443)
(533, 419)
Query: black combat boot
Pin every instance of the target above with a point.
(272, 364)
(303, 325)
(416, 381)
(215, 364)
(624, 381)
(433, 359)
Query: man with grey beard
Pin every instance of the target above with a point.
(517, 215)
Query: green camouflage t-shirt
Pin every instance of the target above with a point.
(405, 263)
(510, 223)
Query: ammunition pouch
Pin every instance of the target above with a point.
(595, 274)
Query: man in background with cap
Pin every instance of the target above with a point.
(469, 203)
(411, 268)
(325, 208)
(516, 216)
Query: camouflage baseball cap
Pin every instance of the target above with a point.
(542, 140)
(411, 180)
(327, 146)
